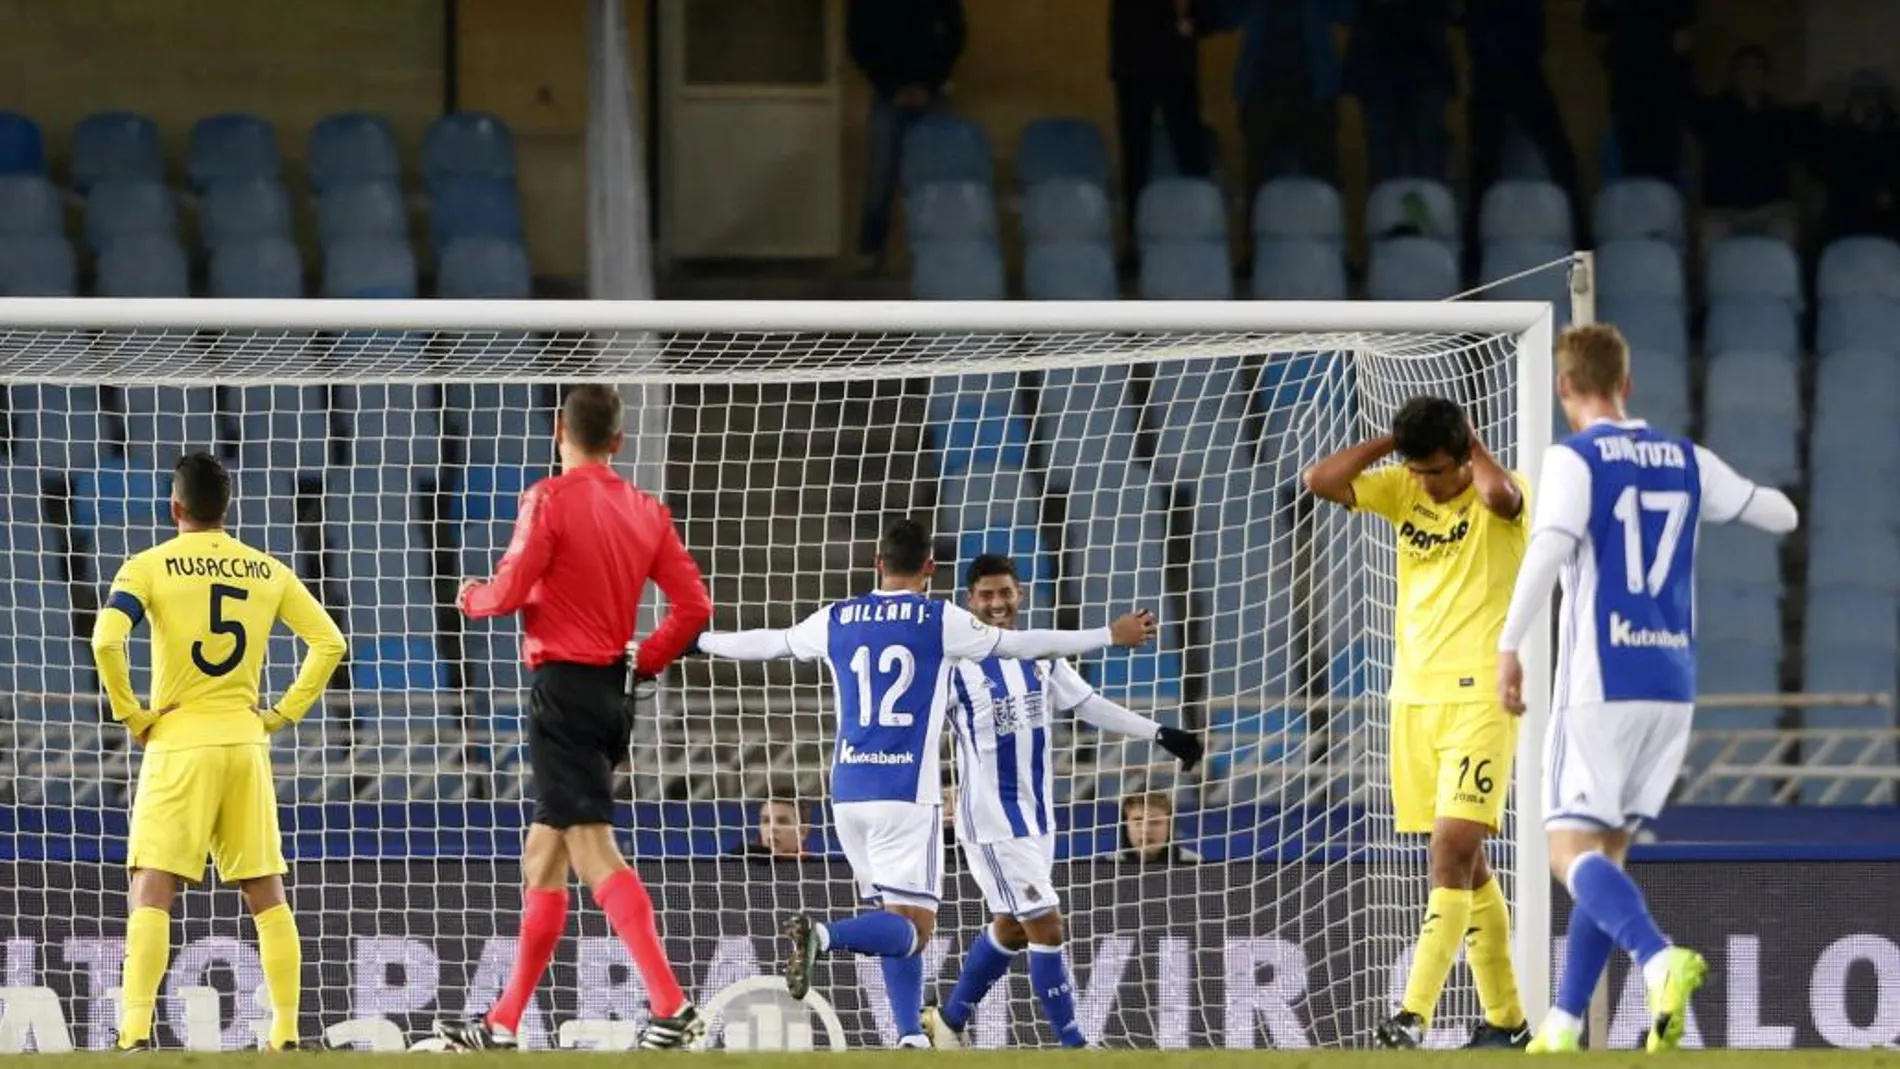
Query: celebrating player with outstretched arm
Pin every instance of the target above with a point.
(891, 653)
(1006, 817)
(584, 546)
(206, 786)
(1460, 524)
(1617, 512)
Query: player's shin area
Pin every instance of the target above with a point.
(1569, 844)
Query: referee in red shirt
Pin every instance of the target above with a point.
(584, 546)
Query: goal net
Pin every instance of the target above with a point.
(1122, 456)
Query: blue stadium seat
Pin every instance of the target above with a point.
(1069, 271)
(957, 271)
(231, 146)
(1035, 566)
(264, 510)
(1118, 558)
(1298, 269)
(1067, 209)
(371, 520)
(1164, 163)
(1306, 209)
(369, 267)
(1061, 149)
(283, 428)
(29, 204)
(1753, 324)
(1083, 414)
(1754, 267)
(1860, 267)
(1857, 385)
(484, 269)
(1412, 269)
(1741, 667)
(1662, 387)
(974, 423)
(467, 206)
(118, 207)
(241, 209)
(1646, 208)
(22, 149)
(373, 209)
(946, 148)
(1737, 612)
(1852, 622)
(1753, 401)
(951, 211)
(1180, 209)
(493, 649)
(1838, 498)
(989, 494)
(504, 424)
(395, 662)
(1858, 321)
(259, 268)
(1654, 324)
(144, 265)
(1732, 554)
(468, 144)
(123, 495)
(1413, 207)
(1551, 284)
(1639, 267)
(1872, 445)
(38, 265)
(116, 144)
(1520, 210)
(163, 423)
(1199, 407)
(391, 426)
(350, 148)
(1186, 271)
(1855, 557)
(55, 427)
(489, 493)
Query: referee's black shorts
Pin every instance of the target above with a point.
(580, 725)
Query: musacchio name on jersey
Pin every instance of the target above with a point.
(1005, 754)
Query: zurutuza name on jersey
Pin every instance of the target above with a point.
(1643, 454)
(218, 567)
(878, 612)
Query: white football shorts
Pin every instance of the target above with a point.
(1017, 875)
(1612, 765)
(895, 850)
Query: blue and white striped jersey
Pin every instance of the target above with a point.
(1001, 708)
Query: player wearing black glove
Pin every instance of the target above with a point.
(1184, 745)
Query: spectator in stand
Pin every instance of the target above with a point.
(1750, 144)
(1646, 46)
(906, 48)
(1505, 40)
(1287, 84)
(782, 832)
(1858, 159)
(1148, 831)
(1398, 66)
(1155, 61)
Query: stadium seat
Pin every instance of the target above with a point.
(1740, 667)
(1083, 414)
(1298, 208)
(1069, 271)
(370, 209)
(391, 427)
(488, 493)
(55, 427)
(1035, 566)
(1753, 324)
(1242, 584)
(122, 494)
(1643, 208)
(1186, 271)
(468, 144)
(1118, 538)
(37, 265)
(466, 206)
(974, 424)
(116, 144)
(1640, 267)
(1298, 269)
(1736, 612)
(1872, 445)
(951, 211)
(484, 269)
(351, 148)
(1067, 209)
(1412, 269)
(231, 146)
(1198, 407)
(957, 271)
(1754, 267)
(369, 267)
(118, 207)
(1838, 498)
(283, 428)
(1733, 554)
(1164, 163)
(994, 494)
(144, 265)
(164, 422)
(22, 149)
(1750, 424)
(1654, 324)
(29, 204)
(264, 510)
(1519, 210)
(1413, 207)
(1180, 209)
(946, 148)
(1860, 267)
(1858, 321)
(505, 424)
(1662, 387)
(269, 267)
(1857, 385)
(242, 209)
(1061, 149)
(1855, 557)
(1550, 284)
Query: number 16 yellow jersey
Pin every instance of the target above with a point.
(211, 602)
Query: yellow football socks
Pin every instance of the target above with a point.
(1488, 952)
(1447, 912)
(147, 948)
(281, 953)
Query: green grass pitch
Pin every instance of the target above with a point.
(1049, 1059)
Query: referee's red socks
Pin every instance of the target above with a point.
(624, 899)
(543, 918)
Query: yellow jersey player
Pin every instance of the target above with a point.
(205, 787)
(1460, 521)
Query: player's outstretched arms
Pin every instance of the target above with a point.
(808, 641)
(304, 614)
(1130, 630)
(1331, 478)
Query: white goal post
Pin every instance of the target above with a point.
(1123, 451)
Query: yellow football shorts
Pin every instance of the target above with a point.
(216, 801)
(1451, 761)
